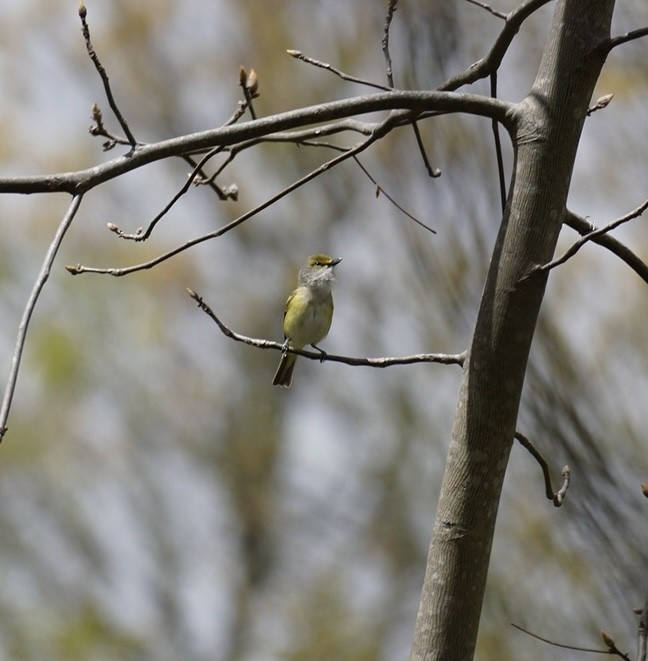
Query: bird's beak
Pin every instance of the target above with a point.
(335, 262)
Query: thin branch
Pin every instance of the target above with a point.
(104, 76)
(99, 129)
(613, 42)
(558, 496)
(498, 145)
(139, 235)
(590, 237)
(611, 646)
(432, 172)
(488, 8)
(391, 8)
(229, 193)
(41, 279)
(561, 645)
(249, 84)
(381, 190)
(442, 358)
(232, 192)
(406, 103)
(585, 227)
(492, 61)
(298, 55)
(384, 127)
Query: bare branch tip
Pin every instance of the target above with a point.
(607, 639)
(82, 10)
(252, 82)
(601, 102)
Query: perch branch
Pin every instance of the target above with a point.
(442, 358)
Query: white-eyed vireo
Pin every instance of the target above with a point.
(308, 313)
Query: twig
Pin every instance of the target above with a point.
(590, 236)
(557, 497)
(229, 193)
(298, 55)
(613, 42)
(442, 358)
(611, 646)
(493, 59)
(381, 190)
(139, 235)
(565, 646)
(391, 8)
(378, 133)
(104, 76)
(41, 279)
(488, 8)
(432, 172)
(99, 129)
(601, 102)
(584, 227)
(498, 145)
(249, 84)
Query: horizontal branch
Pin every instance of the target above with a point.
(411, 103)
(442, 358)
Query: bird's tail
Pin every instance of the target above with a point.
(283, 375)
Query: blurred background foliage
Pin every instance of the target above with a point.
(158, 498)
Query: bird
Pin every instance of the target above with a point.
(307, 314)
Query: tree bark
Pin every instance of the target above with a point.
(546, 132)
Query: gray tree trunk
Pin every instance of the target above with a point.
(547, 129)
